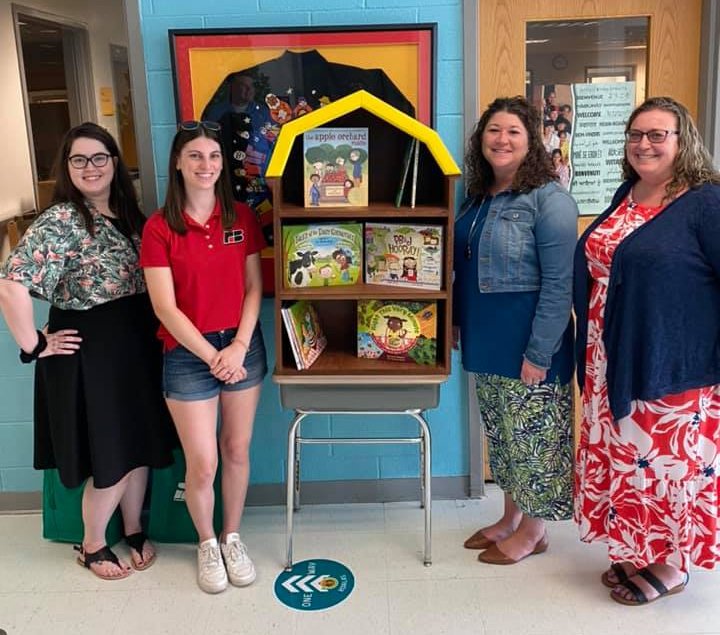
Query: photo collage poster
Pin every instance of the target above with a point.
(583, 132)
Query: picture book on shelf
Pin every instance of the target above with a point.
(306, 336)
(336, 167)
(322, 254)
(403, 255)
(402, 331)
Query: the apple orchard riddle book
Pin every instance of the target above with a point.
(307, 339)
(336, 167)
(322, 254)
(403, 255)
(401, 331)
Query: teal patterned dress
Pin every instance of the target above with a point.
(528, 428)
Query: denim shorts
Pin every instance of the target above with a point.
(188, 378)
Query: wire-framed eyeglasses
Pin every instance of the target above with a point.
(80, 161)
(190, 125)
(654, 136)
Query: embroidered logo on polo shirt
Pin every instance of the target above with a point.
(233, 236)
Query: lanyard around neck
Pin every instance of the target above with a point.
(473, 229)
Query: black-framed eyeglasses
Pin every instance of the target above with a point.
(80, 161)
(654, 136)
(212, 126)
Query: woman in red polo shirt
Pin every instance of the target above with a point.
(200, 253)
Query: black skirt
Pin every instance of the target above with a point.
(100, 412)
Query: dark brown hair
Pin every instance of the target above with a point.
(123, 199)
(535, 170)
(693, 164)
(175, 198)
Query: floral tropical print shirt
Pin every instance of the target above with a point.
(59, 261)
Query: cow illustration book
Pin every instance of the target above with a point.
(322, 254)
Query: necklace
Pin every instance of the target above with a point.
(473, 229)
(631, 204)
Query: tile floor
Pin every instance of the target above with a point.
(43, 592)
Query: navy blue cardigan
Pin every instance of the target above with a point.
(662, 317)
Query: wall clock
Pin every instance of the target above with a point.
(559, 62)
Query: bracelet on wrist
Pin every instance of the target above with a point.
(239, 341)
(41, 345)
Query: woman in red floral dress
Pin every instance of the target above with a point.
(647, 296)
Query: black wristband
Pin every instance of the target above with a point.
(26, 358)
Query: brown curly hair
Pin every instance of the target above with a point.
(535, 170)
(693, 165)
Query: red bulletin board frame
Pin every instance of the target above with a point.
(202, 58)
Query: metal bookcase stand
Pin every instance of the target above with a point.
(422, 396)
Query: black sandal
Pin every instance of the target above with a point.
(639, 597)
(620, 574)
(104, 554)
(136, 542)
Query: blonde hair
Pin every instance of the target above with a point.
(693, 164)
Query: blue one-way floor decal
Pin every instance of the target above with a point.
(314, 585)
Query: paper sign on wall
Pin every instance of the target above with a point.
(107, 103)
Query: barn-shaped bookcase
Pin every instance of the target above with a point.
(390, 136)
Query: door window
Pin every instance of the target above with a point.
(585, 77)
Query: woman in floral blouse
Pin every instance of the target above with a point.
(99, 414)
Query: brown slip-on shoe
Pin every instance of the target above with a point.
(495, 556)
(478, 541)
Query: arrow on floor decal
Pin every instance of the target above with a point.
(314, 585)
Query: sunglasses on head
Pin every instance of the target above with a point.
(211, 126)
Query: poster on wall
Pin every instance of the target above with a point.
(583, 132)
(598, 142)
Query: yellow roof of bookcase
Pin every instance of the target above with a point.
(344, 105)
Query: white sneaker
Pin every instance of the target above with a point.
(212, 577)
(240, 568)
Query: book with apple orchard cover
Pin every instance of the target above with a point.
(306, 336)
(322, 254)
(403, 255)
(401, 331)
(336, 167)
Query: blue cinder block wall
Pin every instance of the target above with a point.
(16, 407)
(448, 422)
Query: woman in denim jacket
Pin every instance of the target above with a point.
(514, 242)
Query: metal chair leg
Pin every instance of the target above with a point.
(426, 476)
(296, 475)
(423, 484)
(290, 487)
